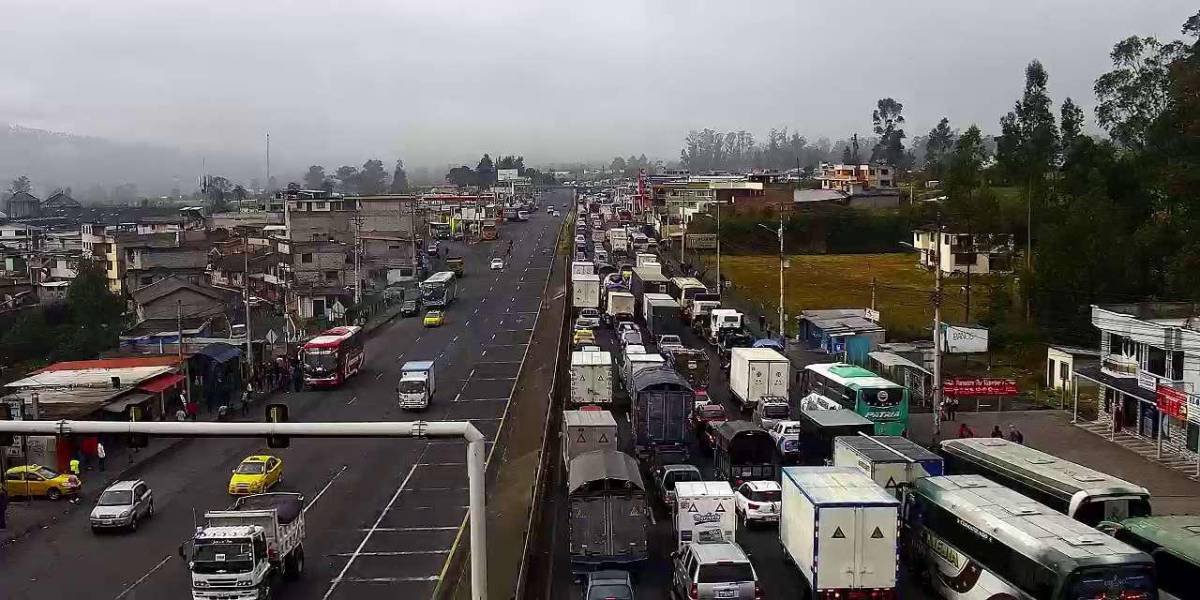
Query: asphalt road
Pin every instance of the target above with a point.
(381, 514)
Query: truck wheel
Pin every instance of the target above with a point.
(293, 565)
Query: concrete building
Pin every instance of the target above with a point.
(315, 276)
(854, 179)
(1061, 363)
(21, 236)
(977, 253)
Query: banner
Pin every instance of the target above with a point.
(1172, 402)
(979, 387)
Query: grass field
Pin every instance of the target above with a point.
(844, 281)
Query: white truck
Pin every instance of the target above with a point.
(585, 291)
(618, 241)
(621, 306)
(893, 462)
(636, 362)
(645, 259)
(756, 373)
(245, 552)
(840, 529)
(587, 430)
(417, 385)
(704, 512)
(722, 319)
(580, 267)
(591, 378)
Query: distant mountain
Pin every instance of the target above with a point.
(53, 159)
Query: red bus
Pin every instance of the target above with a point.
(333, 356)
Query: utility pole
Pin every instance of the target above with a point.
(357, 243)
(873, 284)
(246, 300)
(937, 333)
(720, 284)
(267, 183)
(682, 236)
(782, 331)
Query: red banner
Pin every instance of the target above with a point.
(979, 387)
(1172, 401)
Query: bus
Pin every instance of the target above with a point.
(973, 538)
(333, 356)
(440, 230)
(855, 388)
(1174, 544)
(1081, 493)
(440, 289)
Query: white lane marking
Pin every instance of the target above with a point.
(162, 562)
(484, 353)
(481, 400)
(496, 379)
(384, 579)
(402, 529)
(454, 340)
(396, 553)
(468, 323)
(378, 375)
(627, 418)
(352, 399)
(329, 483)
(442, 464)
(456, 397)
(357, 551)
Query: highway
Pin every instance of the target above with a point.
(381, 514)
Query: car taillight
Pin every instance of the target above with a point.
(752, 506)
(737, 482)
(758, 593)
(694, 592)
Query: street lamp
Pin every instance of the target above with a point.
(779, 233)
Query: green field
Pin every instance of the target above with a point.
(844, 281)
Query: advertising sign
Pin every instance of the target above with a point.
(702, 241)
(962, 339)
(962, 386)
(507, 174)
(1172, 402)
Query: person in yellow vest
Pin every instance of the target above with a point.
(74, 464)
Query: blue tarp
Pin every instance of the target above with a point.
(220, 352)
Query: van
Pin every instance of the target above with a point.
(713, 570)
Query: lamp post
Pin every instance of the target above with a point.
(779, 233)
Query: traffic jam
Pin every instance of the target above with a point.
(698, 462)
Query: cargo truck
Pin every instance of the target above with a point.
(692, 365)
(755, 373)
(684, 289)
(742, 451)
(580, 267)
(645, 259)
(585, 291)
(608, 512)
(819, 429)
(696, 312)
(591, 378)
(587, 431)
(891, 461)
(618, 241)
(662, 402)
(840, 529)
(704, 512)
(620, 307)
(632, 362)
(244, 553)
(417, 385)
(644, 281)
(722, 321)
(661, 315)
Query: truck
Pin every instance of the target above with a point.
(608, 511)
(620, 307)
(591, 378)
(511, 213)
(840, 529)
(456, 264)
(644, 281)
(720, 321)
(618, 241)
(755, 373)
(684, 289)
(587, 431)
(632, 362)
(645, 259)
(585, 291)
(580, 267)
(692, 365)
(819, 428)
(704, 512)
(417, 385)
(245, 552)
(742, 451)
(891, 461)
(662, 402)
(661, 315)
(696, 312)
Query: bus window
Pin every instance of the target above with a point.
(1111, 509)
(881, 398)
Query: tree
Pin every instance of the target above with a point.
(239, 193)
(967, 202)
(485, 172)
(314, 179)
(373, 178)
(618, 165)
(1135, 92)
(347, 178)
(511, 162)
(21, 184)
(399, 179)
(938, 147)
(847, 158)
(1071, 121)
(461, 176)
(887, 120)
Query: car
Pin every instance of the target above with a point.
(787, 439)
(549, 210)
(554, 213)
(631, 337)
(123, 504)
(434, 318)
(431, 249)
(713, 570)
(583, 337)
(608, 585)
(758, 501)
(36, 481)
(589, 317)
(256, 474)
(669, 341)
(497, 264)
(707, 414)
(666, 476)
(409, 308)
(770, 410)
(624, 326)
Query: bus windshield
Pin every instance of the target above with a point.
(882, 397)
(322, 359)
(1131, 582)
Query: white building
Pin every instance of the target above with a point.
(853, 179)
(978, 253)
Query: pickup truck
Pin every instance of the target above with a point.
(244, 553)
(666, 476)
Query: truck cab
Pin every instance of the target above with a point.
(245, 552)
(417, 385)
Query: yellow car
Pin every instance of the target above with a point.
(256, 475)
(584, 337)
(36, 480)
(434, 318)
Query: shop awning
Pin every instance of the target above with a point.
(1126, 385)
(220, 352)
(119, 405)
(160, 383)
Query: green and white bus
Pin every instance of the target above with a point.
(1173, 541)
(855, 388)
(971, 538)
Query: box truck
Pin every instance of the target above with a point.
(645, 259)
(586, 431)
(618, 241)
(585, 291)
(644, 281)
(755, 373)
(620, 307)
(661, 315)
(580, 267)
(840, 529)
(591, 378)
(417, 385)
(704, 512)
(633, 362)
(891, 461)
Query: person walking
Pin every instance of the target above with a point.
(996, 433)
(193, 410)
(73, 466)
(952, 408)
(100, 455)
(246, 399)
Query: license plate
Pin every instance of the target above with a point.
(727, 593)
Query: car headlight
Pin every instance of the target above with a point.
(200, 583)
(245, 582)
(125, 513)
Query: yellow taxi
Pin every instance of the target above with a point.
(38, 481)
(434, 318)
(256, 474)
(584, 337)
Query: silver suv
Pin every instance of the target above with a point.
(123, 504)
(713, 570)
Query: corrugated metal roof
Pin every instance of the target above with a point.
(113, 363)
(602, 464)
(96, 378)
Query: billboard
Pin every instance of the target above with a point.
(507, 174)
(702, 241)
(981, 386)
(964, 339)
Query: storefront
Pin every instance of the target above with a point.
(1156, 415)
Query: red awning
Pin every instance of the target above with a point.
(160, 383)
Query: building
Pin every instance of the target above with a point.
(22, 205)
(316, 276)
(166, 300)
(854, 332)
(61, 202)
(975, 253)
(21, 236)
(854, 179)
(390, 229)
(1149, 361)
(150, 258)
(1061, 363)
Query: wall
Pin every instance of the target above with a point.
(167, 307)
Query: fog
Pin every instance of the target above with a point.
(436, 82)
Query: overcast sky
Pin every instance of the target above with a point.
(435, 81)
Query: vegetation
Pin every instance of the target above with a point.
(484, 174)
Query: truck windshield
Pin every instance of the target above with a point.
(116, 498)
(411, 387)
(222, 557)
(775, 411)
(1132, 582)
(610, 592)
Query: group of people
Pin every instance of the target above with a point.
(1014, 434)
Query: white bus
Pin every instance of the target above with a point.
(974, 539)
(440, 289)
(1081, 493)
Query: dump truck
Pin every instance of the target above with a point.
(244, 553)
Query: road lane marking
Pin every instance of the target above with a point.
(442, 464)
(162, 562)
(385, 579)
(391, 553)
(329, 483)
(404, 529)
(357, 551)
(378, 375)
(456, 397)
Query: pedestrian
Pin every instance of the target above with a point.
(965, 432)
(996, 433)
(180, 415)
(1014, 434)
(246, 399)
(3, 508)
(193, 410)
(100, 454)
(952, 408)
(74, 466)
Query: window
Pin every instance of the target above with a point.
(306, 257)
(1050, 372)
(1118, 345)
(331, 275)
(1064, 373)
(147, 280)
(1176, 367)
(1156, 361)
(964, 258)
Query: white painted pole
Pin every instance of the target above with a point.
(478, 516)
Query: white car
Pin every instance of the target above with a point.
(758, 501)
(624, 326)
(497, 264)
(669, 341)
(787, 438)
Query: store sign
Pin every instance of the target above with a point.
(961, 386)
(1147, 381)
(702, 241)
(1172, 402)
